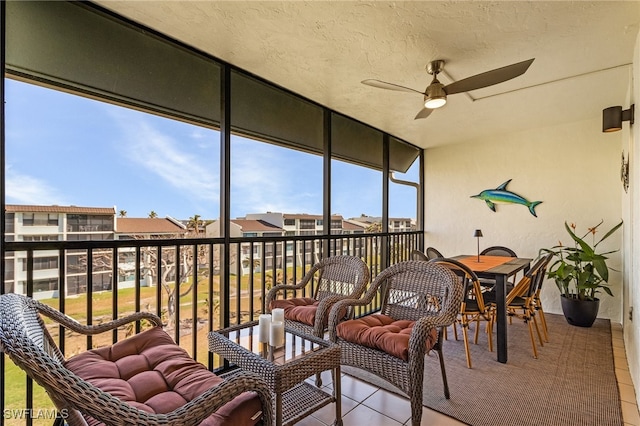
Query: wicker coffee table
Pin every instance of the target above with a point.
(285, 369)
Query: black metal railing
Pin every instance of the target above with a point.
(195, 285)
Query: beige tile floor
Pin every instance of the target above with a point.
(367, 405)
(627, 393)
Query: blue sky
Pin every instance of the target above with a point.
(68, 150)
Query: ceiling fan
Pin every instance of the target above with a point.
(435, 95)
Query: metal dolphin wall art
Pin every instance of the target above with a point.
(500, 195)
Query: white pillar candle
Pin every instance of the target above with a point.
(264, 328)
(278, 314)
(276, 336)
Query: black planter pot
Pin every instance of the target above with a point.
(581, 313)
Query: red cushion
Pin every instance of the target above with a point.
(150, 372)
(299, 309)
(382, 332)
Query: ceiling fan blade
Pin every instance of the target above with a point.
(390, 86)
(488, 78)
(424, 113)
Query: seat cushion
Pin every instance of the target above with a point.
(150, 372)
(383, 333)
(299, 309)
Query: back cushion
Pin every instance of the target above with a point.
(150, 372)
(300, 309)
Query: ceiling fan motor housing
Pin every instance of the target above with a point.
(435, 96)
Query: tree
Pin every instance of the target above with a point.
(123, 213)
(153, 214)
(246, 263)
(375, 227)
(194, 224)
(175, 286)
(187, 257)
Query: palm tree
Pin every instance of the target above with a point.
(123, 213)
(246, 262)
(153, 214)
(375, 227)
(194, 223)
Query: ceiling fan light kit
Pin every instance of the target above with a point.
(435, 95)
(433, 103)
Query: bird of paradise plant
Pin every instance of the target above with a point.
(578, 271)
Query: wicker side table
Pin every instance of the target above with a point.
(285, 369)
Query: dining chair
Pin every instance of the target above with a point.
(520, 301)
(497, 251)
(473, 308)
(433, 253)
(418, 299)
(145, 379)
(418, 255)
(537, 301)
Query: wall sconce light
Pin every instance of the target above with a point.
(613, 117)
(478, 234)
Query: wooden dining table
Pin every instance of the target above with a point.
(500, 269)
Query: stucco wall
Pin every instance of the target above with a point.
(631, 208)
(573, 169)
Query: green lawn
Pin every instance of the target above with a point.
(102, 308)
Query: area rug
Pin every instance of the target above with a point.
(572, 382)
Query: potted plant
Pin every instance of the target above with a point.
(580, 274)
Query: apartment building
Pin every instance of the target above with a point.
(396, 224)
(55, 223)
(75, 223)
(299, 224)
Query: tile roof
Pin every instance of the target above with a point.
(352, 226)
(15, 208)
(145, 225)
(250, 225)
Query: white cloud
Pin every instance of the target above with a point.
(169, 159)
(25, 189)
(255, 189)
(264, 178)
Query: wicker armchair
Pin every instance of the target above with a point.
(336, 278)
(25, 339)
(418, 299)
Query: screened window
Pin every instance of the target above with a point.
(40, 238)
(45, 263)
(50, 284)
(307, 224)
(89, 223)
(404, 193)
(10, 226)
(39, 219)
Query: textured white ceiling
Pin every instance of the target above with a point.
(322, 50)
